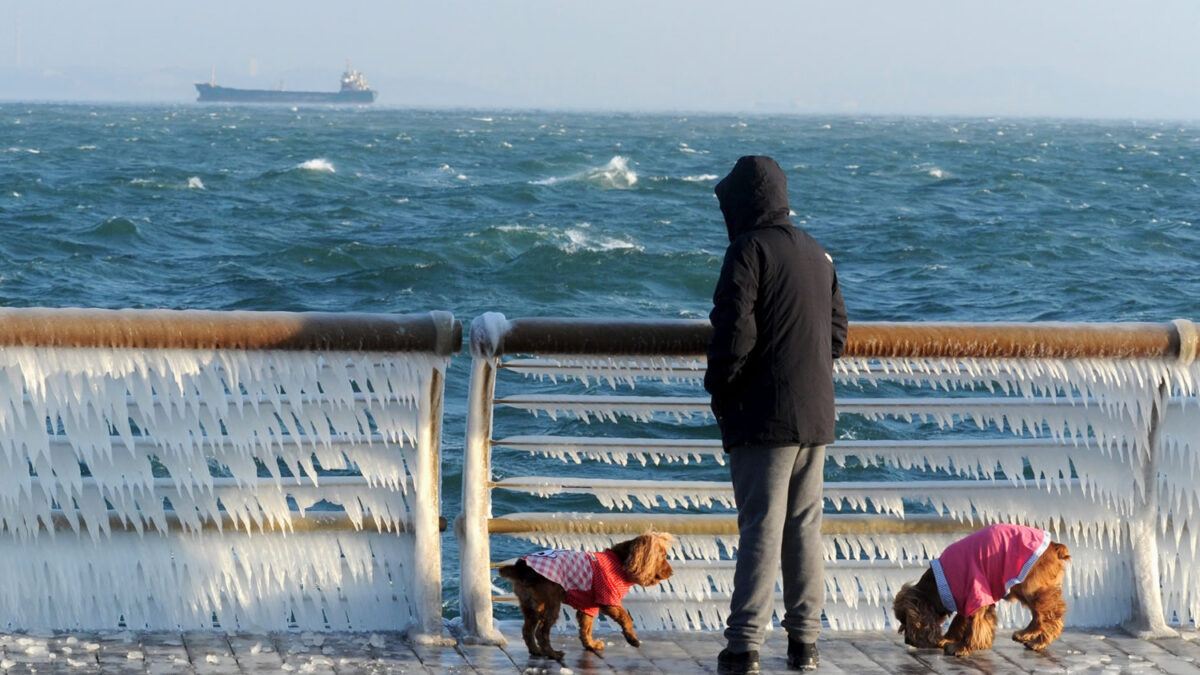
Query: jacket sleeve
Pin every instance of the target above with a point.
(734, 328)
(840, 321)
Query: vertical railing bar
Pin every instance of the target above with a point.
(427, 550)
(475, 593)
(1148, 619)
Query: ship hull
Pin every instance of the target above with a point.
(210, 93)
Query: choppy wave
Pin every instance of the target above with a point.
(581, 238)
(318, 164)
(616, 174)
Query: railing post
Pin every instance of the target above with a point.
(1148, 620)
(475, 590)
(427, 548)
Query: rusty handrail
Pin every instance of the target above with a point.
(436, 332)
(667, 338)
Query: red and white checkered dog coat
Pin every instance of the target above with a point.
(590, 579)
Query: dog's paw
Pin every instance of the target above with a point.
(955, 649)
(1036, 642)
(633, 640)
(1032, 640)
(596, 647)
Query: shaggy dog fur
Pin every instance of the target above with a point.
(643, 561)
(920, 611)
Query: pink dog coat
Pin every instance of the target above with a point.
(978, 570)
(590, 579)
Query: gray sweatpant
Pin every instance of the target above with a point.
(778, 495)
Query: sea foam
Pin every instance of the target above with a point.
(616, 174)
(318, 164)
(580, 239)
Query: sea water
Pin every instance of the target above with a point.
(574, 214)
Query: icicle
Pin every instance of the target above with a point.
(152, 458)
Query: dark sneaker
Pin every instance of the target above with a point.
(803, 655)
(739, 663)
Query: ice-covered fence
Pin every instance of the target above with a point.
(243, 470)
(1089, 430)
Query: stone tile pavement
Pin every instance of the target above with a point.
(867, 653)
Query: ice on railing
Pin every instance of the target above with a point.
(1120, 383)
(1037, 418)
(1077, 465)
(124, 446)
(688, 546)
(1037, 507)
(614, 371)
(648, 451)
(640, 409)
(859, 595)
(1122, 389)
(1179, 505)
(236, 411)
(959, 459)
(621, 495)
(312, 581)
(622, 457)
(1049, 464)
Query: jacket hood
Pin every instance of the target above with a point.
(753, 195)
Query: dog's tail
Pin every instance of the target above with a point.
(1059, 551)
(520, 573)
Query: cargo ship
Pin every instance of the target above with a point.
(354, 91)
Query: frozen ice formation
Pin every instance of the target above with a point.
(136, 487)
(1081, 447)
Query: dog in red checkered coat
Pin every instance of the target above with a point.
(592, 583)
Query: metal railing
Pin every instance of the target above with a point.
(242, 470)
(1088, 430)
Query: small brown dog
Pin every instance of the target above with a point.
(590, 582)
(1007, 562)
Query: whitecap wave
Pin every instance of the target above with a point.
(580, 239)
(318, 164)
(195, 183)
(937, 173)
(615, 174)
(701, 178)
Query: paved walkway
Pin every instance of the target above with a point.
(661, 653)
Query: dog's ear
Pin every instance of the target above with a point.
(919, 623)
(1059, 550)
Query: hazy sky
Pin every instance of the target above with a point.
(1098, 58)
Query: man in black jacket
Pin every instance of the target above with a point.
(778, 322)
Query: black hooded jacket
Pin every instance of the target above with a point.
(778, 319)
